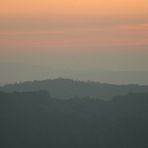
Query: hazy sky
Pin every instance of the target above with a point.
(75, 34)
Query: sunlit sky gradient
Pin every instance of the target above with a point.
(75, 34)
(71, 8)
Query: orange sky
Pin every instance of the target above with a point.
(74, 8)
(74, 24)
(75, 34)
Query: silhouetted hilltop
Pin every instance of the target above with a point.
(36, 97)
(36, 120)
(25, 95)
(132, 97)
(67, 88)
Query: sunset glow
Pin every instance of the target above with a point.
(105, 30)
(71, 8)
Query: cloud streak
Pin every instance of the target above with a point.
(78, 37)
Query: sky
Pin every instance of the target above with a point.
(75, 35)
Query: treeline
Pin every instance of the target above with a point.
(67, 88)
(36, 120)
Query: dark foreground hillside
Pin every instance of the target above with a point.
(35, 120)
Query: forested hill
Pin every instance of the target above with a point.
(67, 88)
(36, 120)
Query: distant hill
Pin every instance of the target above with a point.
(36, 120)
(67, 88)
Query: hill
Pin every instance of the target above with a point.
(67, 88)
(35, 120)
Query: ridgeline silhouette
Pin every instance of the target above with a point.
(67, 88)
